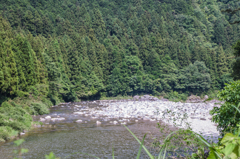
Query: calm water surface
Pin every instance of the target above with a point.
(67, 137)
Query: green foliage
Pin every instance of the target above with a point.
(194, 78)
(236, 66)
(83, 50)
(176, 97)
(14, 116)
(51, 156)
(39, 108)
(67, 51)
(6, 133)
(228, 147)
(226, 116)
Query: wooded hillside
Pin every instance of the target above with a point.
(78, 49)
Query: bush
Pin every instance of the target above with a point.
(226, 116)
(176, 97)
(39, 108)
(14, 116)
(5, 133)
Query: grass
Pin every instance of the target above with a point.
(116, 98)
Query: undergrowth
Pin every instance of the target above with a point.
(16, 114)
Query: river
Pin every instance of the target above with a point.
(66, 137)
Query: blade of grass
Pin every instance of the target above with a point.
(164, 146)
(140, 148)
(208, 145)
(165, 152)
(161, 150)
(149, 154)
(112, 152)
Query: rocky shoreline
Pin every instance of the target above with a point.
(118, 112)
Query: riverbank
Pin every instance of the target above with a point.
(148, 108)
(16, 115)
(119, 111)
(103, 119)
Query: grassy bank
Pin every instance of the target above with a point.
(16, 114)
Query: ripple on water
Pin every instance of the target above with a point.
(96, 141)
(67, 137)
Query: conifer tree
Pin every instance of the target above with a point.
(221, 62)
(91, 53)
(9, 76)
(144, 54)
(99, 24)
(195, 53)
(132, 48)
(159, 44)
(37, 46)
(12, 70)
(183, 55)
(100, 54)
(26, 60)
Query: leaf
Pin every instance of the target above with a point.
(24, 151)
(212, 155)
(51, 156)
(19, 142)
(229, 149)
(194, 155)
(140, 149)
(113, 152)
(233, 156)
(164, 156)
(228, 138)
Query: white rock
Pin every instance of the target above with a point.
(48, 117)
(98, 122)
(146, 118)
(78, 113)
(115, 122)
(53, 119)
(42, 119)
(79, 121)
(60, 119)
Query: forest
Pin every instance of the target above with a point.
(70, 50)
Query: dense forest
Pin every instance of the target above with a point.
(68, 50)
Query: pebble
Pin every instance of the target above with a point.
(79, 121)
(48, 117)
(197, 114)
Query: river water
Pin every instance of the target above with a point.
(67, 137)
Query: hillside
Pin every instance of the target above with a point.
(60, 51)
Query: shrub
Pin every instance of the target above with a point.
(39, 108)
(14, 116)
(6, 132)
(226, 116)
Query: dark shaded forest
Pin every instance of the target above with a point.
(69, 50)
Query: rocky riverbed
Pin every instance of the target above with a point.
(93, 127)
(118, 112)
